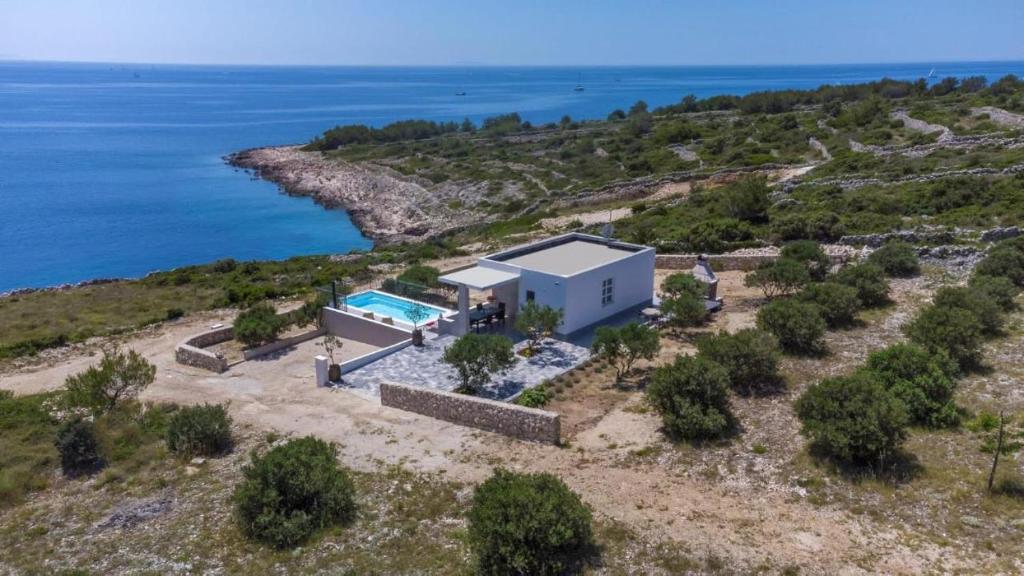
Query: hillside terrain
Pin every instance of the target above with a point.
(861, 431)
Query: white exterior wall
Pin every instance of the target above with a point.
(633, 278)
(549, 290)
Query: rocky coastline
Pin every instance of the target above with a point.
(386, 205)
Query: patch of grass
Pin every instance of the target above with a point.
(27, 453)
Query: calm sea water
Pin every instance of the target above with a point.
(115, 170)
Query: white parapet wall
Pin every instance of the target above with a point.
(388, 338)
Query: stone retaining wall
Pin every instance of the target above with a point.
(726, 262)
(191, 353)
(501, 417)
(719, 262)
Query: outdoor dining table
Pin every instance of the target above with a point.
(476, 315)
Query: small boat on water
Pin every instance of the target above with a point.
(460, 93)
(579, 84)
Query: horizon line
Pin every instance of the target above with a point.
(17, 60)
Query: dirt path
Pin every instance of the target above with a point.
(922, 126)
(665, 191)
(1000, 116)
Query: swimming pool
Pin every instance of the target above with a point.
(384, 304)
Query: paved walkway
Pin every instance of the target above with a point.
(422, 366)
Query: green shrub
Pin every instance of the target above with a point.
(420, 274)
(853, 419)
(778, 278)
(527, 524)
(477, 357)
(79, 450)
(924, 381)
(954, 332)
(750, 358)
(798, 326)
(623, 346)
(987, 311)
(692, 396)
(258, 325)
(174, 313)
(1003, 260)
(897, 259)
(869, 281)
(534, 397)
(810, 254)
(998, 289)
(837, 303)
(682, 300)
(292, 492)
(120, 376)
(200, 431)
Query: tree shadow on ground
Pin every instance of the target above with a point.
(900, 468)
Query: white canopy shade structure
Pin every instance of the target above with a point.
(479, 278)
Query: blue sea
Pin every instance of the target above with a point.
(116, 170)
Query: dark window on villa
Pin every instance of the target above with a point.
(530, 296)
(607, 292)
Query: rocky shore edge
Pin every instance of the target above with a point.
(385, 205)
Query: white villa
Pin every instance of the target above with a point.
(589, 277)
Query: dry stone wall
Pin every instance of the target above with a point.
(501, 417)
(191, 353)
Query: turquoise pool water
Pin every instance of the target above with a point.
(384, 304)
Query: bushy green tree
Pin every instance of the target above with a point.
(420, 274)
(1003, 260)
(897, 259)
(692, 396)
(923, 380)
(538, 322)
(682, 300)
(527, 524)
(838, 303)
(477, 357)
(986, 310)
(120, 376)
(746, 199)
(199, 431)
(811, 255)
(853, 419)
(258, 325)
(869, 281)
(798, 325)
(78, 448)
(292, 492)
(750, 358)
(998, 289)
(623, 346)
(779, 278)
(952, 331)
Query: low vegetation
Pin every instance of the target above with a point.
(750, 357)
(623, 346)
(476, 358)
(203, 430)
(528, 524)
(293, 492)
(798, 326)
(692, 396)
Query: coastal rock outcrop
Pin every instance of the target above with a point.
(386, 205)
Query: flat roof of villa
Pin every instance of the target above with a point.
(567, 258)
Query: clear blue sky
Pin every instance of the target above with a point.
(496, 32)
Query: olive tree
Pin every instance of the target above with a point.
(477, 357)
(537, 322)
(120, 376)
(624, 346)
